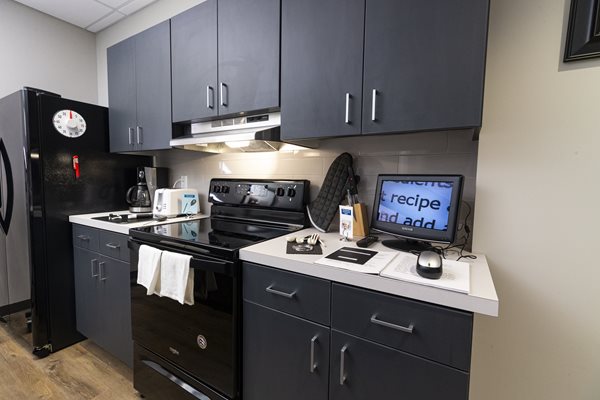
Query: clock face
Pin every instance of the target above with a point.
(69, 123)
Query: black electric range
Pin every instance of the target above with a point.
(193, 352)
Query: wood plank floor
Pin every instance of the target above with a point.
(80, 372)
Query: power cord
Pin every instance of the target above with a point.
(464, 239)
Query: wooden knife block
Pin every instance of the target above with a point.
(361, 225)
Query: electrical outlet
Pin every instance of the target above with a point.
(183, 180)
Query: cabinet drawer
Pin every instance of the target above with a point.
(114, 245)
(427, 330)
(295, 294)
(85, 237)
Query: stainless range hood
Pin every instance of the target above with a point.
(256, 133)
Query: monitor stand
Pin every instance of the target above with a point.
(406, 245)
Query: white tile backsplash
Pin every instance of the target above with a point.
(451, 152)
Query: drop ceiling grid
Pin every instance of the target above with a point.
(93, 15)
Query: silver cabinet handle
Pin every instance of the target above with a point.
(94, 262)
(313, 364)
(130, 136)
(113, 246)
(347, 119)
(280, 293)
(102, 271)
(209, 97)
(83, 238)
(342, 365)
(222, 88)
(374, 105)
(140, 134)
(400, 328)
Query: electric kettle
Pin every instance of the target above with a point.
(138, 196)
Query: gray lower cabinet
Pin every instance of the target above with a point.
(102, 297)
(139, 91)
(377, 346)
(285, 357)
(361, 369)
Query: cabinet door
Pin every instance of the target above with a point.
(153, 87)
(114, 288)
(285, 357)
(194, 62)
(321, 67)
(248, 55)
(86, 271)
(121, 95)
(364, 370)
(424, 64)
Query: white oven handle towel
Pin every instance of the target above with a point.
(149, 269)
(177, 278)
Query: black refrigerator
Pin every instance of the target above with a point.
(54, 162)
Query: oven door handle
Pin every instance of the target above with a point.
(157, 368)
(197, 261)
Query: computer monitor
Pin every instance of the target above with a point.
(419, 208)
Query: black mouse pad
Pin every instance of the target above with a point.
(316, 250)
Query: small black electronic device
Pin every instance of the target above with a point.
(429, 265)
(367, 241)
(419, 208)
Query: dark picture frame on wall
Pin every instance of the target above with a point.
(583, 34)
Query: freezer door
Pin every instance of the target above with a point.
(14, 218)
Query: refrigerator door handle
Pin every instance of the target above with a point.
(8, 207)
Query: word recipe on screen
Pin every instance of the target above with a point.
(416, 203)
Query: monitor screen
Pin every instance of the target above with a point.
(419, 207)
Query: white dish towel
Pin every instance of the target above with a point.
(177, 278)
(149, 268)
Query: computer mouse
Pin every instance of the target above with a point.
(429, 265)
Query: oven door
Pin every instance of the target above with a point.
(203, 339)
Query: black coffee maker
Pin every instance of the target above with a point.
(138, 196)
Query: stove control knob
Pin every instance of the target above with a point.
(224, 189)
(217, 189)
(280, 192)
(291, 192)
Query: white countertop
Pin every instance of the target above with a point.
(87, 220)
(482, 298)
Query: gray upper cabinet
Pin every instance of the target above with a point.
(321, 67)
(122, 95)
(249, 41)
(424, 64)
(153, 82)
(225, 59)
(194, 62)
(139, 91)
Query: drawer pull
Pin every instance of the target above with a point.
(280, 293)
(313, 364)
(113, 246)
(343, 365)
(83, 238)
(400, 328)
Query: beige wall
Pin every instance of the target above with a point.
(41, 51)
(537, 211)
(143, 19)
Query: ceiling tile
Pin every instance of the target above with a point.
(105, 22)
(77, 12)
(114, 3)
(134, 6)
